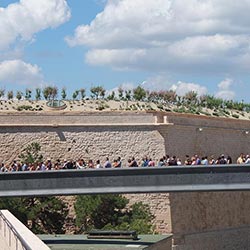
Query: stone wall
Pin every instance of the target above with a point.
(97, 135)
(213, 220)
(206, 136)
(88, 142)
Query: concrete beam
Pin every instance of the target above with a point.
(129, 180)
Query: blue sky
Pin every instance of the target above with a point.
(202, 46)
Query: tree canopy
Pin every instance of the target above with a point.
(111, 212)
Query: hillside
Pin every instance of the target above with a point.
(11, 106)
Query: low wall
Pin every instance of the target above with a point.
(229, 239)
(15, 236)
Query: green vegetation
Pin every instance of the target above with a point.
(48, 214)
(31, 153)
(112, 212)
(24, 107)
(40, 215)
(164, 100)
(43, 214)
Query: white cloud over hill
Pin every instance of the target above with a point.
(19, 72)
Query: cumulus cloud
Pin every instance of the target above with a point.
(20, 21)
(125, 86)
(169, 35)
(181, 88)
(157, 83)
(224, 90)
(19, 72)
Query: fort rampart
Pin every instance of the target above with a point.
(98, 135)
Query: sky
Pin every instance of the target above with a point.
(203, 46)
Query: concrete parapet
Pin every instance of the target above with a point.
(15, 236)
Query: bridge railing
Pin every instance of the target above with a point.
(15, 236)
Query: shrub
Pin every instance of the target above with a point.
(235, 116)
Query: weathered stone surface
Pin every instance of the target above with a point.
(95, 136)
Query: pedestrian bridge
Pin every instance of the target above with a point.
(126, 180)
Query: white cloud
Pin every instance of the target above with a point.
(19, 72)
(181, 88)
(224, 90)
(157, 83)
(20, 21)
(169, 35)
(125, 86)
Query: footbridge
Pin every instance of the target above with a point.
(126, 180)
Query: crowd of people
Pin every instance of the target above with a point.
(119, 163)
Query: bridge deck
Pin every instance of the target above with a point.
(126, 180)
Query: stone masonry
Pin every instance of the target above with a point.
(98, 135)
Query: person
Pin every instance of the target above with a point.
(91, 164)
(179, 162)
(107, 163)
(119, 161)
(229, 159)
(151, 163)
(98, 164)
(241, 159)
(115, 163)
(173, 161)
(212, 161)
(204, 160)
(132, 163)
(144, 162)
(187, 160)
(247, 159)
(160, 163)
(197, 160)
(222, 160)
(3, 168)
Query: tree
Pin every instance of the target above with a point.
(2, 91)
(191, 97)
(64, 93)
(50, 93)
(98, 91)
(82, 93)
(31, 153)
(46, 93)
(128, 95)
(75, 94)
(170, 96)
(19, 95)
(10, 95)
(111, 96)
(54, 92)
(38, 94)
(43, 214)
(40, 215)
(28, 94)
(139, 93)
(120, 93)
(111, 212)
